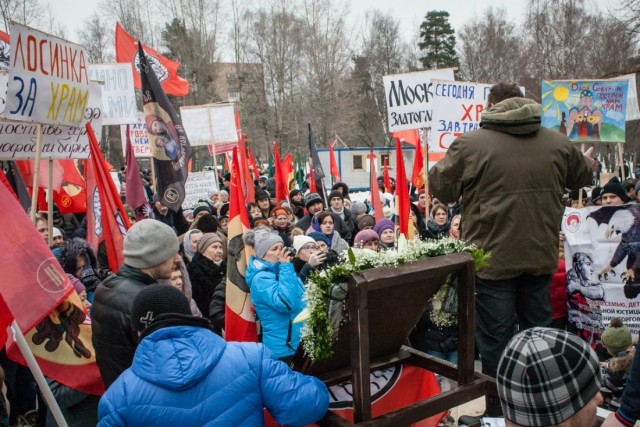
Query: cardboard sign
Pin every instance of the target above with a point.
(18, 140)
(210, 124)
(139, 138)
(118, 94)
(409, 98)
(586, 110)
(198, 186)
(48, 79)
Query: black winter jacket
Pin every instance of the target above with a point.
(113, 339)
(208, 282)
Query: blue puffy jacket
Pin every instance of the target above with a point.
(276, 293)
(188, 376)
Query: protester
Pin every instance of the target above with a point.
(200, 209)
(367, 239)
(207, 272)
(613, 193)
(313, 203)
(324, 223)
(297, 203)
(438, 224)
(276, 292)
(184, 374)
(454, 229)
(386, 230)
(308, 258)
(532, 165)
(548, 377)
(322, 243)
(224, 196)
(629, 412)
(264, 203)
(596, 196)
(180, 280)
(336, 205)
(43, 228)
(150, 252)
(281, 225)
(77, 258)
(365, 222)
(618, 342)
(254, 211)
(161, 212)
(58, 238)
(342, 188)
(190, 244)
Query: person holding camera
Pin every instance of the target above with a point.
(307, 258)
(276, 292)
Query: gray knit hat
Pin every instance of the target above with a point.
(262, 239)
(149, 242)
(207, 240)
(545, 376)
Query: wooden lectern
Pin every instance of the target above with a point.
(384, 305)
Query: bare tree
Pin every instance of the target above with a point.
(137, 17)
(97, 38)
(27, 12)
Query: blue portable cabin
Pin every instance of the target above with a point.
(354, 165)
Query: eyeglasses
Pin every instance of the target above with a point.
(309, 248)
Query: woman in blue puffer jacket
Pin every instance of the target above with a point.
(276, 292)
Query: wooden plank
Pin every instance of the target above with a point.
(360, 359)
(466, 323)
(341, 375)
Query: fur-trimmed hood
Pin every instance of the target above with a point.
(71, 251)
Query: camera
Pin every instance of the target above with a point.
(291, 251)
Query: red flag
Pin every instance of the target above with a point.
(410, 136)
(248, 189)
(40, 297)
(287, 172)
(27, 169)
(106, 209)
(312, 186)
(387, 181)
(72, 196)
(6, 183)
(402, 192)
(135, 194)
(6, 319)
(256, 171)
(375, 189)
(335, 171)
(227, 168)
(418, 166)
(281, 182)
(240, 320)
(165, 69)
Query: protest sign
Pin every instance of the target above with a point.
(211, 124)
(586, 110)
(18, 140)
(603, 275)
(198, 186)
(409, 98)
(118, 95)
(48, 79)
(633, 110)
(139, 137)
(457, 108)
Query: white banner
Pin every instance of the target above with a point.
(409, 98)
(18, 140)
(633, 111)
(118, 94)
(210, 124)
(603, 271)
(48, 79)
(139, 138)
(198, 186)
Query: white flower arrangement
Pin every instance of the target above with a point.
(320, 329)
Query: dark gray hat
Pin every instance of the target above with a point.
(149, 242)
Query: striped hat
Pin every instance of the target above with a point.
(545, 376)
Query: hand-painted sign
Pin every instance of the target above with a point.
(118, 94)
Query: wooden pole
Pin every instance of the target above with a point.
(153, 174)
(425, 135)
(34, 195)
(213, 153)
(50, 203)
(621, 154)
(582, 148)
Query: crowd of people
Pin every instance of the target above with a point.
(158, 322)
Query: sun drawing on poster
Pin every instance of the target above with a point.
(561, 97)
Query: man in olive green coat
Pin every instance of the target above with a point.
(511, 175)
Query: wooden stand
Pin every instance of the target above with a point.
(384, 304)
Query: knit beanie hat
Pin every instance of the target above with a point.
(261, 195)
(384, 224)
(317, 236)
(223, 193)
(207, 240)
(212, 193)
(262, 239)
(77, 284)
(311, 198)
(300, 241)
(155, 300)
(335, 193)
(57, 232)
(358, 208)
(615, 187)
(545, 376)
(596, 194)
(617, 337)
(149, 242)
(200, 207)
(364, 236)
(365, 221)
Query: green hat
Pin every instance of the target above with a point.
(616, 337)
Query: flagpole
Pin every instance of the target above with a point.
(213, 151)
(34, 195)
(37, 375)
(50, 203)
(426, 170)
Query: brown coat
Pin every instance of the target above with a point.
(511, 174)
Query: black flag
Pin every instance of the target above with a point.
(167, 139)
(318, 171)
